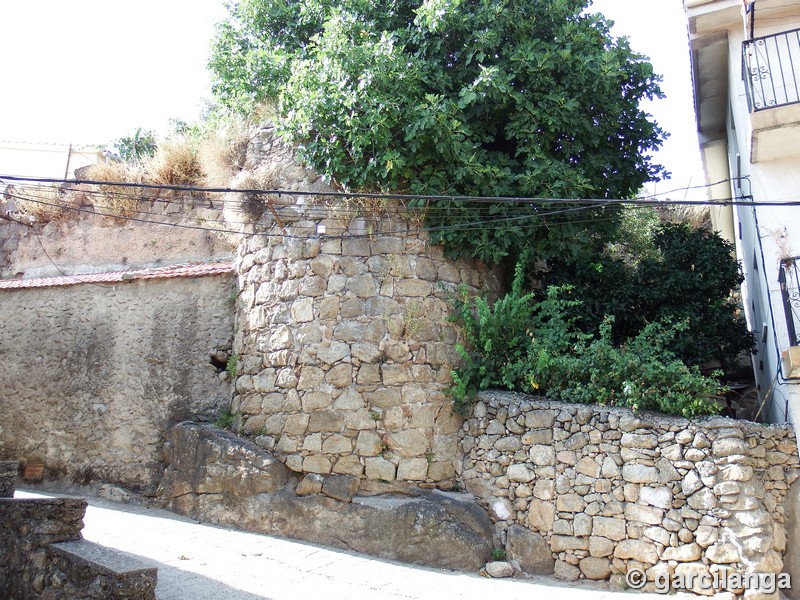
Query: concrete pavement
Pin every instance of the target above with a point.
(198, 561)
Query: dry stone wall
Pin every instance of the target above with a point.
(611, 491)
(343, 341)
(344, 345)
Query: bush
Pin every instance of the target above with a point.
(42, 203)
(642, 374)
(116, 200)
(669, 272)
(528, 346)
(498, 340)
(176, 163)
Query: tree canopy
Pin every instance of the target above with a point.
(499, 98)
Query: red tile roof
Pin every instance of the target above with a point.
(195, 270)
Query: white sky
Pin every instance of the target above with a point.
(92, 71)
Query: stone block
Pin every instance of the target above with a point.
(570, 503)
(589, 467)
(380, 468)
(595, 568)
(325, 421)
(518, 472)
(365, 352)
(382, 398)
(639, 473)
(685, 553)
(310, 484)
(340, 487)
(310, 378)
(660, 497)
(409, 442)
(542, 455)
(333, 352)
(499, 569)
(638, 550)
(565, 571)
(339, 376)
(392, 374)
(537, 436)
(561, 543)
(317, 463)
(412, 469)
(315, 400)
(609, 527)
(303, 310)
(296, 424)
(639, 441)
(349, 399)
(441, 470)
(541, 515)
(720, 553)
(337, 444)
(648, 515)
(349, 465)
(725, 447)
(413, 288)
(363, 286)
(544, 489)
(540, 419)
(600, 546)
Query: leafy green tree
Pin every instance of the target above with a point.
(508, 98)
(138, 146)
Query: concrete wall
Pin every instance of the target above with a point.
(611, 491)
(93, 374)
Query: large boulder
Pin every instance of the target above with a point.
(202, 459)
(214, 476)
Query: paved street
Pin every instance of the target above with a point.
(197, 561)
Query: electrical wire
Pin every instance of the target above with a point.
(407, 197)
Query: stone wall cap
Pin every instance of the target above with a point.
(102, 558)
(647, 418)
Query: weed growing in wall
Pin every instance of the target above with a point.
(232, 365)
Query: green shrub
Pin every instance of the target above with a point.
(497, 342)
(518, 344)
(641, 374)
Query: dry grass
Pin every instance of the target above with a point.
(696, 217)
(242, 208)
(223, 153)
(42, 203)
(116, 200)
(175, 163)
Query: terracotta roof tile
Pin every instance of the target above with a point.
(174, 271)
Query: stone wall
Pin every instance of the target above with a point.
(42, 555)
(344, 345)
(86, 243)
(29, 527)
(610, 491)
(94, 374)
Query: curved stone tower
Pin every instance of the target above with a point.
(343, 341)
